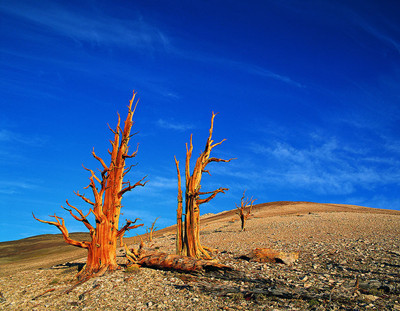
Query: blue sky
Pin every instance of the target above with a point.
(307, 93)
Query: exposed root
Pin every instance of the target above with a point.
(45, 292)
(86, 275)
(80, 282)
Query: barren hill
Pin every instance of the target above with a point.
(349, 258)
(50, 249)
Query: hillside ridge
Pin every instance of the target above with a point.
(50, 249)
(347, 258)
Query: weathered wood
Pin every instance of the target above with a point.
(271, 255)
(188, 229)
(106, 206)
(159, 260)
(244, 210)
(150, 231)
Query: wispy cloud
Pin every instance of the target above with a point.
(157, 186)
(13, 146)
(326, 168)
(248, 68)
(89, 25)
(13, 187)
(162, 183)
(378, 32)
(9, 137)
(94, 27)
(172, 125)
(380, 26)
(272, 75)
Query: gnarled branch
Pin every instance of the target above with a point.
(130, 187)
(83, 217)
(133, 153)
(150, 230)
(84, 198)
(212, 196)
(218, 160)
(128, 169)
(128, 226)
(64, 231)
(100, 160)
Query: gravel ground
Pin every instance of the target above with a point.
(348, 261)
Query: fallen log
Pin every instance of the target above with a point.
(271, 255)
(159, 260)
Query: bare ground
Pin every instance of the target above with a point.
(349, 260)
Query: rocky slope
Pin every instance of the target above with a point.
(349, 260)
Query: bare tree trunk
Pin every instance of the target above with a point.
(243, 220)
(106, 206)
(179, 223)
(188, 230)
(244, 210)
(101, 252)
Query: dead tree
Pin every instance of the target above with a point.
(148, 257)
(159, 260)
(244, 210)
(106, 206)
(188, 228)
(149, 231)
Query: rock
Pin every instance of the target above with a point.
(370, 297)
(2, 299)
(370, 284)
(307, 285)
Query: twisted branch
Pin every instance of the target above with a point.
(128, 226)
(64, 231)
(130, 187)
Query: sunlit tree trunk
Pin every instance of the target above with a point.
(188, 225)
(105, 205)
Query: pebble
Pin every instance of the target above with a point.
(371, 297)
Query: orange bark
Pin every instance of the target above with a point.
(106, 206)
(271, 255)
(188, 228)
(166, 261)
(150, 231)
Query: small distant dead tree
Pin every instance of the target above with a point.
(150, 230)
(106, 206)
(188, 228)
(244, 210)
